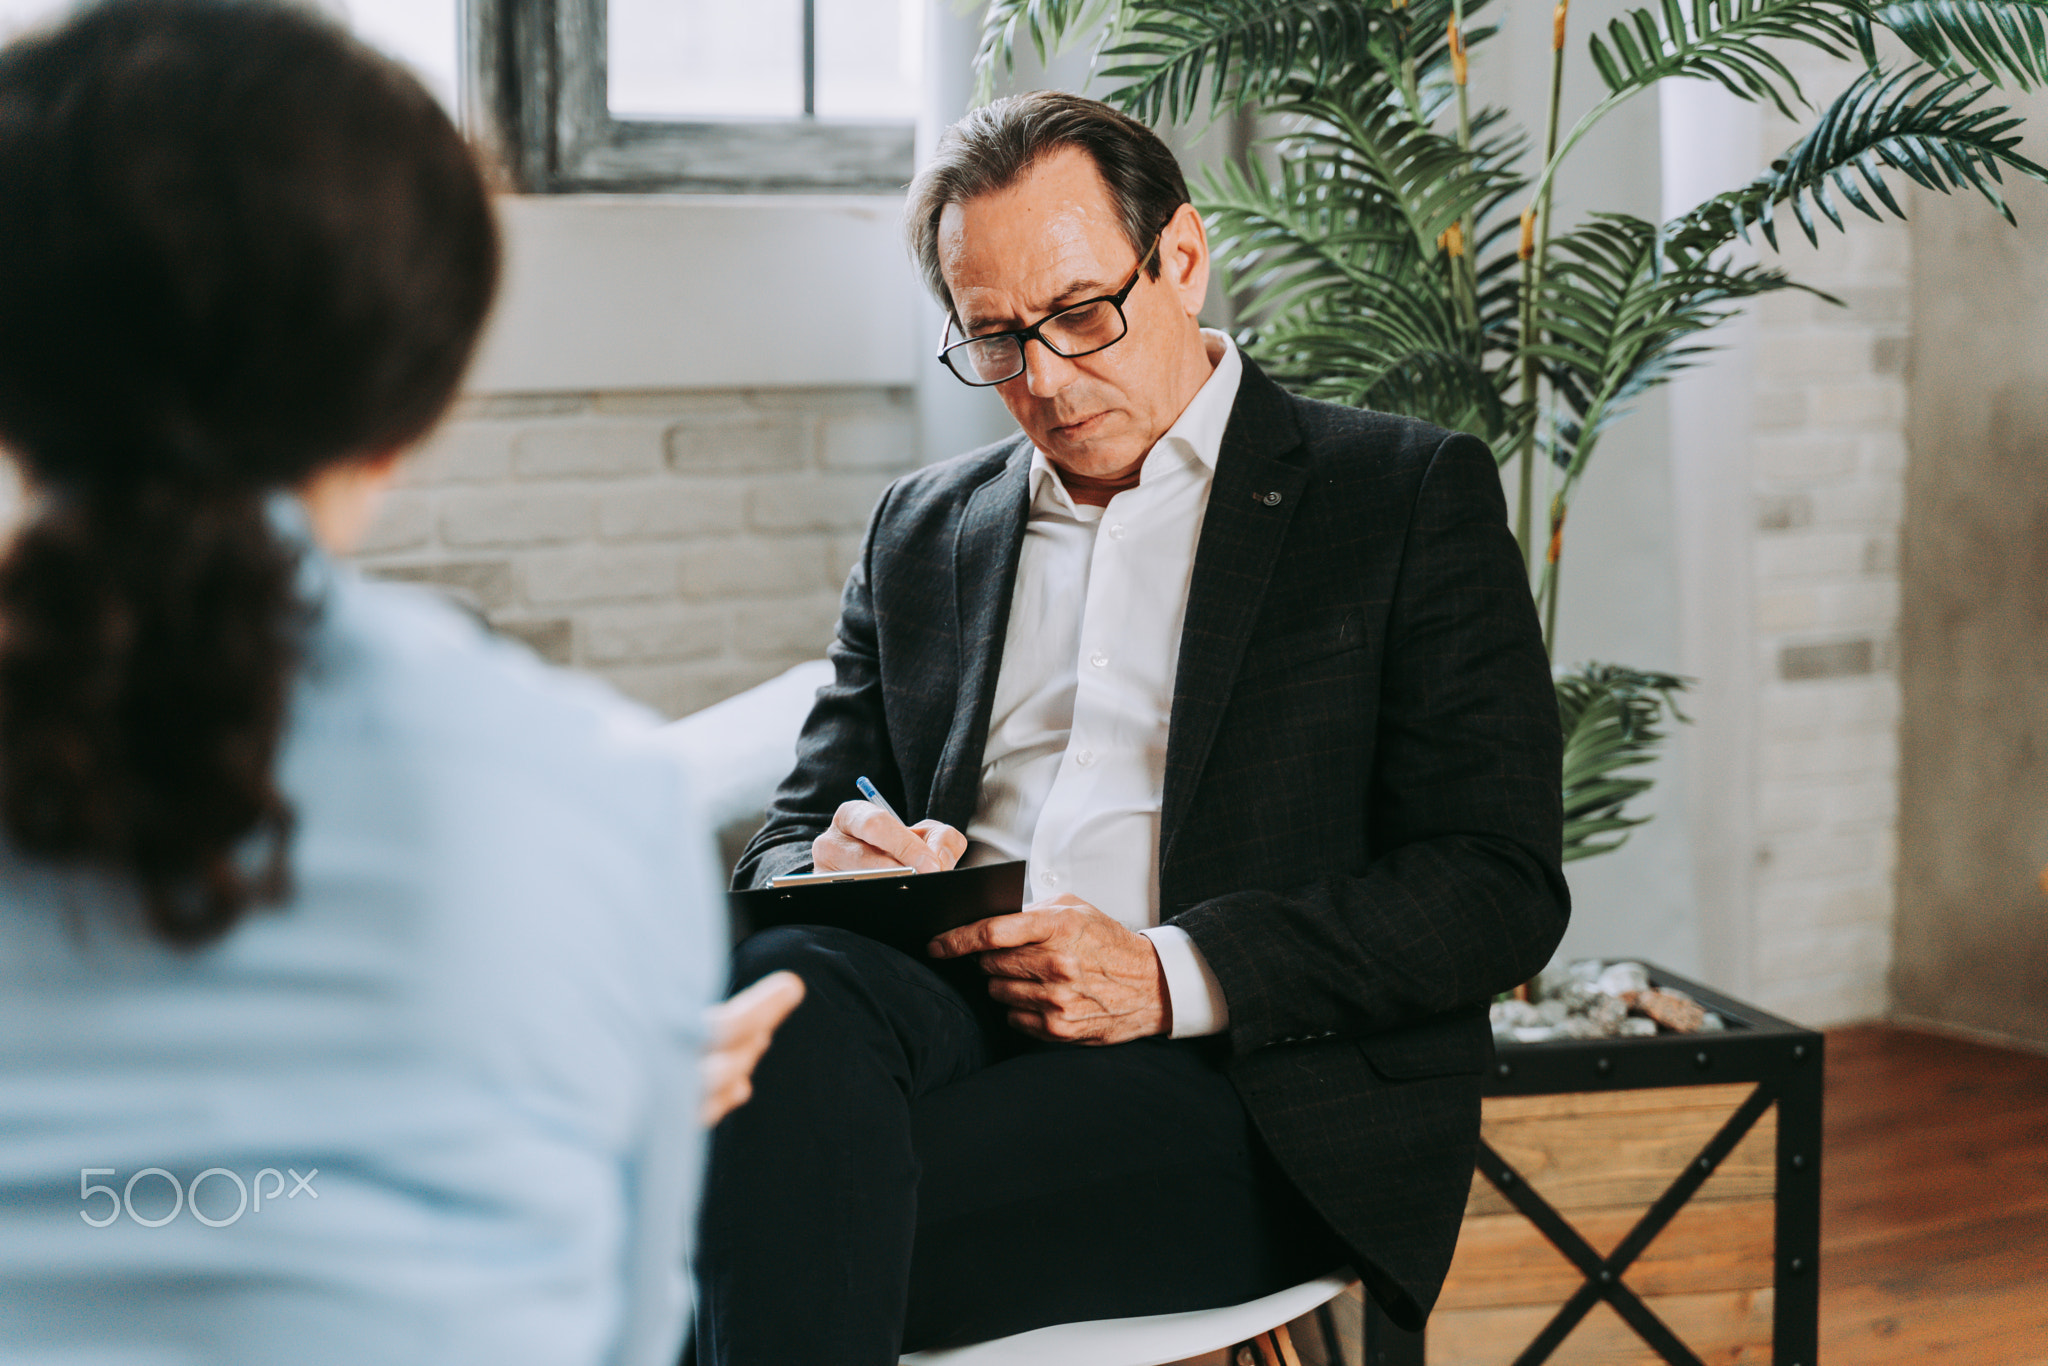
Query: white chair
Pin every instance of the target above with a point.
(1157, 1339)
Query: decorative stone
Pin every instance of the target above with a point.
(1579, 997)
(1620, 979)
(1608, 1014)
(1673, 1010)
(1592, 999)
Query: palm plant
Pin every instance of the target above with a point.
(1401, 253)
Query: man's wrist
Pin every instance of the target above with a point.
(1193, 997)
(1163, 987)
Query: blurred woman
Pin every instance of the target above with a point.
(352, 963)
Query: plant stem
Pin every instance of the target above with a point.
(1549, 591)
(1459, 71)
(1550, 131)
(1535, 240)
(1456, 241)
(1526, 481)
(1579, 130)
(1410, 91)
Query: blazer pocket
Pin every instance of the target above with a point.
(1262, 656)
(1440, 1048)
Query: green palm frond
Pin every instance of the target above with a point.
(1619, 320)
(1171, 56)
(1047, 23)
(1299, 231)
(1349, 189)
(1248, 50)
(1351, 307)
(1381, 360)
(1916, 122)
(1997, 40)
(1337, 249)
(1421, 175)
(1610, 716)
(1722, 41)
(1430, 47)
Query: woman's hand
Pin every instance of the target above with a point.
(741, 1030)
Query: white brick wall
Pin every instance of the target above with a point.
(1827, 478)
(683, 545)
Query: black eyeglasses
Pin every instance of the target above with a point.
(1078, 330)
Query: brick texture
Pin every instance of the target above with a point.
(684, 546)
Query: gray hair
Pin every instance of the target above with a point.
(992, 148)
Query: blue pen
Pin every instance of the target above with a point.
(867, 789)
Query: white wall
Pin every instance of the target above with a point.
(1710, 140)
(700, 291)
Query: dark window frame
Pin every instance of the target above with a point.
(534, 89)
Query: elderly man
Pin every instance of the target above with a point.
(1254, 685)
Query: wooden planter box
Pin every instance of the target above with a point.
(1639, 1201)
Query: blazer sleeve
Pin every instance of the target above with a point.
(845, 736)
(1462, 895)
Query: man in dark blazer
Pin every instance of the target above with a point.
(1328, 835)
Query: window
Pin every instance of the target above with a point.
(424, 34)
(769, 96)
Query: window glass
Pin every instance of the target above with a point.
(16, 15)
(680, 60)
(705, 59)
(421, 33)
(424, 34)
(870, 53)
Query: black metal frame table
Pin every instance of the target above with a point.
(1782, 1059)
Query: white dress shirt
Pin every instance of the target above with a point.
(1075, 764)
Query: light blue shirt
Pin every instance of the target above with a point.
(477, 1019)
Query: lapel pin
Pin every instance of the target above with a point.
(1269, 499)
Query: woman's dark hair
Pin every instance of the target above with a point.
(237, 247)
(993, 146)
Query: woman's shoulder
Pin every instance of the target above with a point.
(522, 801)
(395, 667)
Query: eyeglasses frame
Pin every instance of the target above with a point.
(1031, 333)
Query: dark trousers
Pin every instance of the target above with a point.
(912, 1173)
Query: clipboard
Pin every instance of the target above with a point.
(905, 912)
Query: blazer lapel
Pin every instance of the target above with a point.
(987, 542)
(1258, 484)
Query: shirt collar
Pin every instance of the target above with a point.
(1196, 435)
(293, 527)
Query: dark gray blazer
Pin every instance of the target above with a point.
(1360, 823)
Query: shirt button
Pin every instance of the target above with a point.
(1049, 879)
(1116, 533)
(1085, 757)
(1098, 659)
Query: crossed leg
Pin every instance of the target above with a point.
(910, 1173)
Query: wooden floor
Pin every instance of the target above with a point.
(1934, 1202)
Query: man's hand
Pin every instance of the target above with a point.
(740, 1032)
(863, 835)
(1067, 972)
